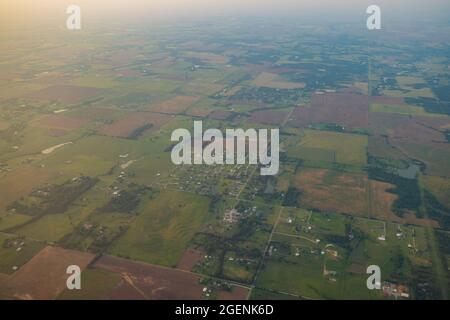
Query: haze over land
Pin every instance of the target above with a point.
(26, 12)
(87, 178)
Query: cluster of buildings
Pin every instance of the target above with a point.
(231, 216)
(395, 290)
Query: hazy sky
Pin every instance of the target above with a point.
(19, 11)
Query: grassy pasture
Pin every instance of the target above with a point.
(409, 80)
(272, 80)
(331, 147)
(11, 256)
(10, 220)
(90, 156)
(410, 93)
(400, 109)
(162, 232)
(300, 265)
(20, 182)
(439, 187)
(103, 82)
(332, 191)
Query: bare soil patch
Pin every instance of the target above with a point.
(152, 282)
(190, 258)
(346, 109)
(300, 118)
(44, 276)
(127, 126)
(175, 105)
(268, 117)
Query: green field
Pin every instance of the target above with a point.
(162, 232)
(79, 159)
(86, 120)
(17, 252)
(324, 146)
(9, 220)
(312, 256)
(400, 109)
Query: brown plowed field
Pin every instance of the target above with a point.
(346, 109)
(175, 105)
(419, 138)
(190, 258)
(155, 282)
(270, 117)
(300, 118)
(126, 126)
(44, 276)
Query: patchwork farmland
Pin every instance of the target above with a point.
(86, 175)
